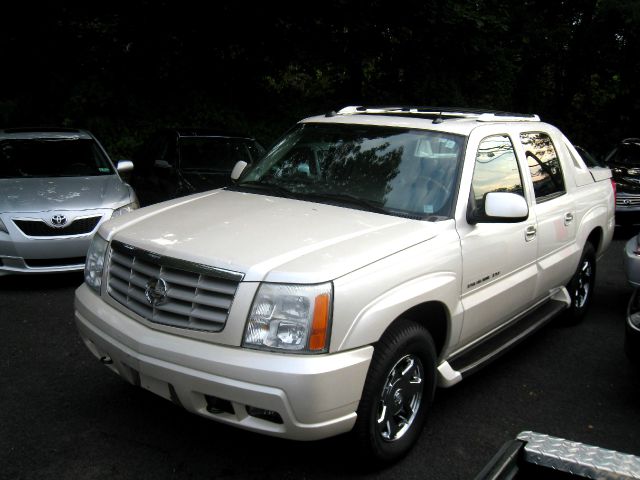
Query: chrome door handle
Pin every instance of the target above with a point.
(568, 218)
(530, 233)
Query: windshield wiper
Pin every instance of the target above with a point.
(351, 200)
(270, 187)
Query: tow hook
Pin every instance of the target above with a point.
(106, 360)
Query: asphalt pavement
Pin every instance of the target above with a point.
(65, 416)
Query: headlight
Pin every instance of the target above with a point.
(3, 227)
(125, 209)
(94, 265)
(294, 318)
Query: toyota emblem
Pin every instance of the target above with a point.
(58, 220)
(156, 292)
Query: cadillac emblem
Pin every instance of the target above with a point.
(156, 292)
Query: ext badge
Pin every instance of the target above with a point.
(58, 221)
(156, 292)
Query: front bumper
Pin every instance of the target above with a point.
(314, 396)
(21, 253)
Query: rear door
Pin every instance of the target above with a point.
(554, 209)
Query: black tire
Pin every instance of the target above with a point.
(393, 407)
(581, 286)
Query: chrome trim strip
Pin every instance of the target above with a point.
(176, 263)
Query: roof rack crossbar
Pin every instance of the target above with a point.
(444, 112)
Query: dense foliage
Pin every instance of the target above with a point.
(122, 68)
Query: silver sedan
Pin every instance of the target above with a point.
(56, 187)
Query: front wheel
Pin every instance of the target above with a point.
(582, 285)
(397, 393)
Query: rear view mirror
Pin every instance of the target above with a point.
(238, 168)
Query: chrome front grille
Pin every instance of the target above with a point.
(628, 201)
(169, 291)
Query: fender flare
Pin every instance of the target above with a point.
(374, 319)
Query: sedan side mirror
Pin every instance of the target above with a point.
(124, 166)
(238, 168)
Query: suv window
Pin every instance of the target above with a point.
(544, 165)
(496, 169)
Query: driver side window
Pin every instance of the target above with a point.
(496, 169)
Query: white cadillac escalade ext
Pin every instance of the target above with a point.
(371, 255)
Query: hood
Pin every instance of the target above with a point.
(62, 193)
(269, 238)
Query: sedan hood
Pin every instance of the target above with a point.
(269, 238)
(61, 193)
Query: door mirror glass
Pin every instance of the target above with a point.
(504, 207)
(238, 169)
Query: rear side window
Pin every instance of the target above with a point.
(544, 165)
(496, 169)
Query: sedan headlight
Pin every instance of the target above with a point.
(292, 318)
(125, 209)
(94, 265)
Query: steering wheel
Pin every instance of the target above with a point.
(437, 195)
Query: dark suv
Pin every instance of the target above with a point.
(181, 161)
(624, 162)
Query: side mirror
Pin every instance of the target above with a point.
(124, 166)
(238, 168)
(501, 207)
(161, 164)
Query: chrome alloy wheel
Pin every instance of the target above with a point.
(401, 398)
(583, 283)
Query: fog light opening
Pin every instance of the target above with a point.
(268, 415)
(217, 405)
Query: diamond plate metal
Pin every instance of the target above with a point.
(579, 459)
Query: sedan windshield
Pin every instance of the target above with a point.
(396, 171)
(68, 157)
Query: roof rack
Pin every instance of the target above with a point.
(41, 130)
(440, 114)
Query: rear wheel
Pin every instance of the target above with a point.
(397, 393)
(582, 285)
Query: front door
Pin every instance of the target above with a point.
(499, 259)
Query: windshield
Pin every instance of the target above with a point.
(626, 154)
(217, 154)
(69, 157)
(396, 171)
